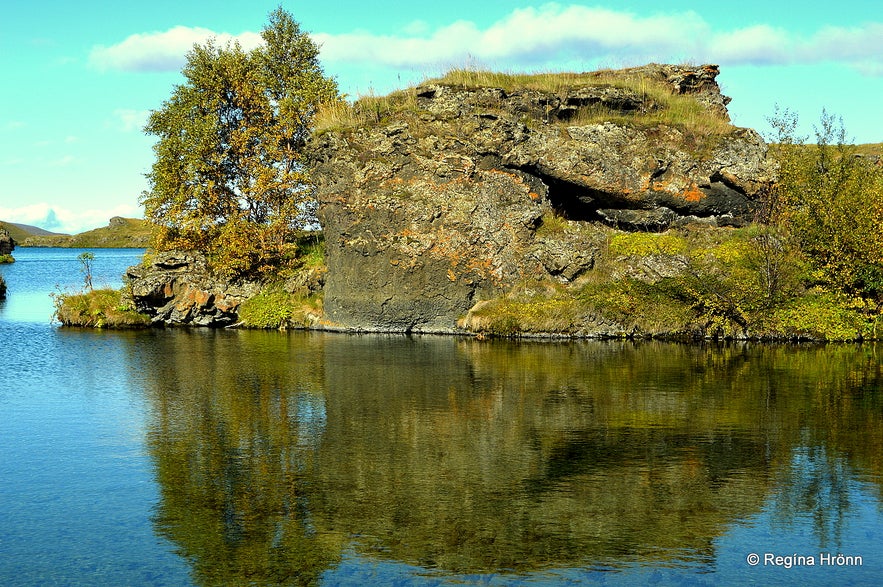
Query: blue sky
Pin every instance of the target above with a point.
(80, 77)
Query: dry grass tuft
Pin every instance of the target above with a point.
(366, 110)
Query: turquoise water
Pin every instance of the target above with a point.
(176, 457)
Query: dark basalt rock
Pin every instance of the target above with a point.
(441, 206)
(175, 288)
(7, 245)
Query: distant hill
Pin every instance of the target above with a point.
(119, 233)
(871, 149)
(19, 232)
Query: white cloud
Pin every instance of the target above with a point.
(760, 44)
(60, 219)
(161, 51)
(553, 34)
(547, 37)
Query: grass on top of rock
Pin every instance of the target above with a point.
(680, 111)
(99, 308)
(6, 259)
(671, 109)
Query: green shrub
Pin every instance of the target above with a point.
(829, 200)
(529, 309)
(823, 315)
(504, 324)
(275, 308)
(552, 224)
(6, 259)
(721, 283)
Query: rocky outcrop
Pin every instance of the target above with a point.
(175, 288)
(7, 245)
(450, 201)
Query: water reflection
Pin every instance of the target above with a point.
(233, 433)
(279, 454)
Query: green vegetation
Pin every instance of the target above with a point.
(5, 259)
(369, 109)
(636, 244)
(295, 306)
(120, 233)
(870, 150)
(276, 308)
(229, 179)
(98, 308)
(830, 202)
(697, 282)
(824, 315)
(311, 250)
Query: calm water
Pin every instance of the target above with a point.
(173, 457)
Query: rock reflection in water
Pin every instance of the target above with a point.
(278, 453)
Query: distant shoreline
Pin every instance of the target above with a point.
(120, 233)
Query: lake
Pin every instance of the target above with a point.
(204, 457)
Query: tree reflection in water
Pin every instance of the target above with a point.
(234, 434)
(276, 453)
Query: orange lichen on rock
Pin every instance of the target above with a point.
(693, 194)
